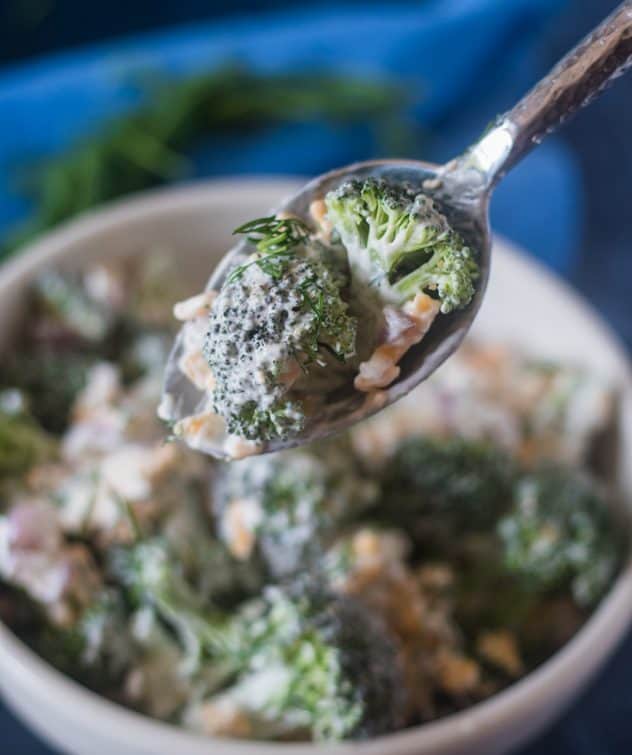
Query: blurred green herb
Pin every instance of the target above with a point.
(275, 239)
(147, 146)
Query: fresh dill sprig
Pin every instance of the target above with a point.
(148, 145)
(314, 300)
(313, 296)
(275, 239)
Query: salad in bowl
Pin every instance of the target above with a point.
(410, 569)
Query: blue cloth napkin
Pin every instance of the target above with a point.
(466, 59)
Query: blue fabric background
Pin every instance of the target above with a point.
(468, 59)
(443, 49)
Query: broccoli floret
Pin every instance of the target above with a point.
(465, 483)
(97, 648)
(332, 667)
(23, 443)
(485, 595)
(206, 563)
(154, 578)
(287, 506)
(156, 574)
(400, 245)
(559, 532)
(103, 628)
(162, 688)
(278, 317)
(329, 667)
(51, 380)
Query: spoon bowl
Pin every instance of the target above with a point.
(461, 190)
(466, 212)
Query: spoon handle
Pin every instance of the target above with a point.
(581, 75)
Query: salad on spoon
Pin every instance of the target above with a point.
(359, 286)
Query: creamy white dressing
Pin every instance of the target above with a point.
(379, 345)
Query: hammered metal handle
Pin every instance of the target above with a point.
(581, 75)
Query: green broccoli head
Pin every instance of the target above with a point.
(23, 443)
(559, 533)
(330, 667)
(286, 507)
(400, 244)
(465, 484)
(153, 578)
(156, 576)
(279, 317)
(344, 675)
(51, 380)
(311, 663)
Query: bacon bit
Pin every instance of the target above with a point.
(195, 367)
(199, 427)
(241, 538)
(422, 308)
(220, 717)
(501, 649)
(397, 323)
(239, 448)
(318, 211)
(404, 329)
(435, 577)
(208, 427)
(457, 674)
(379, 371)
(195, 306)
(367, 544)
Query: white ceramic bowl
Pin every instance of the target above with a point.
(524, 305)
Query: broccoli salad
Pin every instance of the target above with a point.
(318, 306)
(344, 590)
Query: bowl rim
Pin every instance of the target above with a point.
(607, 623)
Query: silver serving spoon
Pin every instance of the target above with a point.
(462, 189)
